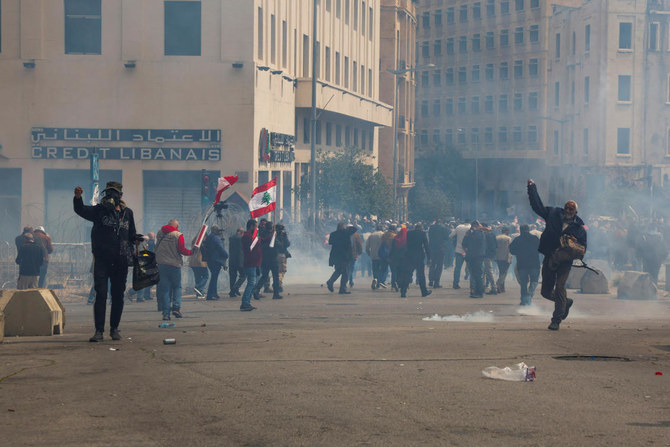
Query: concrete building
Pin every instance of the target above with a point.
(398, 43)
(163, 89)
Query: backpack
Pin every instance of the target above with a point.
(204, 251)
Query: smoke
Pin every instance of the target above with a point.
(478, 317)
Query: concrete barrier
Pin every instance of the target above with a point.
(2, 327)
(575, 278)
(594, 282)
(637, 286)
(31, 312)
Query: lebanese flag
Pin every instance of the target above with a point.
(224, 183)
(263, 199)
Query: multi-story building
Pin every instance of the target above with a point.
(398, 43)
(163, 89)
(609, 96)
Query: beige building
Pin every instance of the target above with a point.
(398, 43)
(163, 89)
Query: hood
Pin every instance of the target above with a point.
(167, 229)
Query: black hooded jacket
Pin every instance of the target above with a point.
(553, 216)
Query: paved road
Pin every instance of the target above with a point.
(364, 369)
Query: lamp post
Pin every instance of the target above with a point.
(397, 73)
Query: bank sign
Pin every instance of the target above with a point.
(126, 144)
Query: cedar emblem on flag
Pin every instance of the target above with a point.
(263, 199)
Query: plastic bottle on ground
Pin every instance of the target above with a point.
(515, 373)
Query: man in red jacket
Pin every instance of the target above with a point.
(169, 251)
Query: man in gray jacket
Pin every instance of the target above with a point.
(169, 251)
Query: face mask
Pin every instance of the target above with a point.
(112, 199)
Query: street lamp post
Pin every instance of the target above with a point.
(397, 73)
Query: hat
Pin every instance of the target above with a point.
(40, 229)
(116, 186)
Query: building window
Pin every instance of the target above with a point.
(424, 108)
(476, 42)
(587, 87)
(305, 130)
(504, 71)
(436, 108)
(477, 11)
(337, 68)
(436, 137)
(534, 3)
(273, 39)
(437, 78)
(346, 71)
(488, 104)
(370, 82)
(462, 77)
(305, 55)
(461, 136)
(448, 137)
(474, 77)
(346, 12)
(438, 18)
(449, 76)
(488, 72)
(585, 143)
(557, 50)
(425, 50)
(534, 33)
(424, 79)
(424, 138)
(437, 48)
(502, 103)
(623, 141)
(83, 26)
(557, 94)
(533, 69)
(463, 14)
(474, 105)
(518, 69)
(490, 8)
(338, 135)
(362, 79)
(451, 16)
(504, 38)
(356, 137)
(328, 66)
(653, 36)
(474, 135)
(504, 7)
(667, 99)
(532, 100)
(461, 106)
(572, 93)
(329, 134)
(556, 143)
(490, 43)
(449, 106)
(354, 74)
(463, 44)
(338, 8)
(625, 36)
(574, 43)
(450, 45)
(502, 135)
(355, 17)
(347, 136)
(363, 10)
(624, 88)
(668, 149)
(317, 132)
(284, 44)
(518, 5)
(518, 102)
(518, 35)
(328, 5)
(587, 38)
(517, 136)
(488, 135)
(425, 18)
(370, 36)
(532, 134)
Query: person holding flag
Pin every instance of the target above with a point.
(253, 257)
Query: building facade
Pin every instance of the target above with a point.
(163, 89)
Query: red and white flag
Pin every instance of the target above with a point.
(224, 183)
(263, 199)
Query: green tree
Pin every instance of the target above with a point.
(346, 183)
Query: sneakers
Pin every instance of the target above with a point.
(198, 292)
(277, 297)
(114, 333)
(382, 285)
(330, 286)
(456, 286)
(248, 308)
(345, 292)
(567, 308)
(96, 337)
(166, 318)
(232, 294)
(426, 293)
(374, 284)
(436, 286)
(553, 326)
(213, 298)
(177, 313)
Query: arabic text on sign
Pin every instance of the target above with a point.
(45, 134)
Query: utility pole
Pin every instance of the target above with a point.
(312, 168)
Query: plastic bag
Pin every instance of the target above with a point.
(515, 373)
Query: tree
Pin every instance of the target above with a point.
(346, 183)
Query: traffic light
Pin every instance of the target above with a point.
(206, 190)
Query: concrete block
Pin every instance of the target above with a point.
(637, 286)
(575, 278)
(2, 327)
(594, 283)
(31, 312)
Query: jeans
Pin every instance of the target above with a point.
(405, 276)
(553, 287)
(235, 281)
(476, 266)
(43, 275)
(352, 272)
(169, 287)
(341, 268)
(201, 275)
(528, 282)
(436, 267)
(214, 269)
(265, 279)
(248, 290)
(114, 272)
(458, 264)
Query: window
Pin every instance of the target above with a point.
(451, 16)
(474, 77)
(363, 20)
(490, 44)
(488, 135)
(424, 138)
(585, 142)
(328, 66)
(461, 136)
(338, 135)
(517, 135)
(534, 33)
(370, 83)
(370, 35)
(449, 76)
(504, 71)
(438, 18)
(273, 39)
(518, 102)
(518, 35)
(587, 38)
(346, 70)
(474, 104)
(424, 79)
(448, 137)
(557, 94)
(556, 143)
(450, 45)
(0, 26)
(437, 78)
(83, 29)
(329, 134)
(425, 50)
(424, 108)
(362, 79)
(623, 141)
(364, 139)
(624, 88)
(305, 55)
(476, 42)
(557, 50)
(653, 36)
(338, 8)
(667, 99)
(463, 44)
(346, 12)
(504, 38)
(502, 103)
(347, 136)
(504, 7)
(574, 43)
(436, 108)
(305, 130)
(490, 8)
(533, 68)
(488, 73)
(425, 19)
(355, 17)
(532, 100)
(532, 134)
(668, 149)
(488, 104)
(625, 36)
(587, 86)
(449, 106)
(436, 137)
(534, 3)
(462, 78)
(463, 14)
(284, 44)
(354, 74)
(356, 137)
(518, 69)
(317, 132)
(474, 135)
(337, 68)
(477, 11)
(328, 5)
(502, 134)
(518, 5)
(461, 106)
(572, 93)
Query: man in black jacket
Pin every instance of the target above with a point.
(417, 251)
(474, 244)
(438, 236)
(236, 272)
(524, 247)
(341, 254)
(113, 237)
(29, 259)
(559, 221)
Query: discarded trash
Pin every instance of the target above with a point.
(169, 341)
(203, 325)
(167, 324)
(477, 317)
(658, 373)
(113, 349)
(515, 373)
